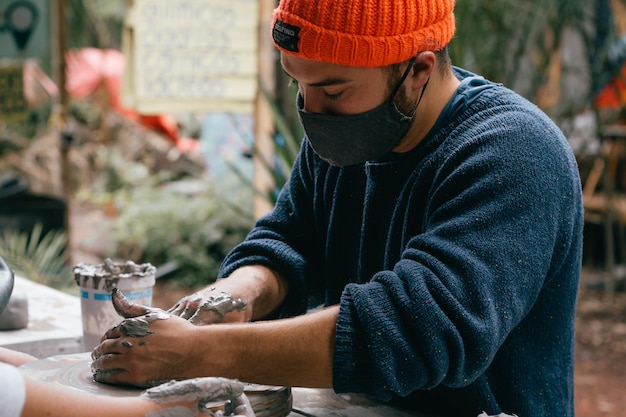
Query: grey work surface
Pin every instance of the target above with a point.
(325, 403)
(54, 322)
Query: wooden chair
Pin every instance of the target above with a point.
(608, 206)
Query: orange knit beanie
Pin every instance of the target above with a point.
(362, 33)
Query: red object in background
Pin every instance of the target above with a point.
(613, 94)
(89, 69)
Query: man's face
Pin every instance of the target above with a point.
(337, 89)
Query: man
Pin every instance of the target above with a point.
(435, 216)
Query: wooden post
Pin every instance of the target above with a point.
(60, 117)
(264, 122)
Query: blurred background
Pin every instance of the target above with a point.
(159, 130)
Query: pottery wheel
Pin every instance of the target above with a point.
(74, 371)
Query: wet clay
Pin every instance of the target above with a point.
(140, 326)
(208, 389)
(110, 274)
(135, 326)
(221, 304)
(203, 390)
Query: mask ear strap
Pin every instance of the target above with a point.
(406, 74)
(422, 93)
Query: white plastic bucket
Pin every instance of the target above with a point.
(95, 284)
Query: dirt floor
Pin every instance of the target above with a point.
(600, 380)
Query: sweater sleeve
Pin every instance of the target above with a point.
(12, 391)
(281, 240)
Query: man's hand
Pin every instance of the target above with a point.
(250, 293)
(209, 306)
(157, 347)
(129, 353)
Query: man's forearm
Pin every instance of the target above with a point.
(290, 352)
(258, 285)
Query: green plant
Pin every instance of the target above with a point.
(191, 230)
(519, 43)
(37, 256)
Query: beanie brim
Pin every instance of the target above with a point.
(295, 36)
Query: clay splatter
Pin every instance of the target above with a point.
(208, 389)
(138, 317)
(220, 304)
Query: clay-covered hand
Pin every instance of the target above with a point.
(201, 397)
(210, 306)
(131, 353)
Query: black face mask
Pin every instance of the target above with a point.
(355, 139)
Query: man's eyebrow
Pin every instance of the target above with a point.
(324, 83)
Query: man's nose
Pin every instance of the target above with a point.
(312, 100)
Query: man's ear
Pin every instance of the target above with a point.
(423, 66)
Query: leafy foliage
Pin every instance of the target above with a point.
(191, 230)
(40, 257)
(516, 42)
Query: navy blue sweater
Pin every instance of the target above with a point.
(455, 265)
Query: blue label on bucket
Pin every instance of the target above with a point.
(139, 295)
(133, 296)
(102, 297)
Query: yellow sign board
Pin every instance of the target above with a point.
(191, 55)
(12, 102)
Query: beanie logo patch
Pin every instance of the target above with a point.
(286, 36)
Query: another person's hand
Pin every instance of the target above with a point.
(209, 306)
(14, 357)
(217, 397)
(199, 396)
